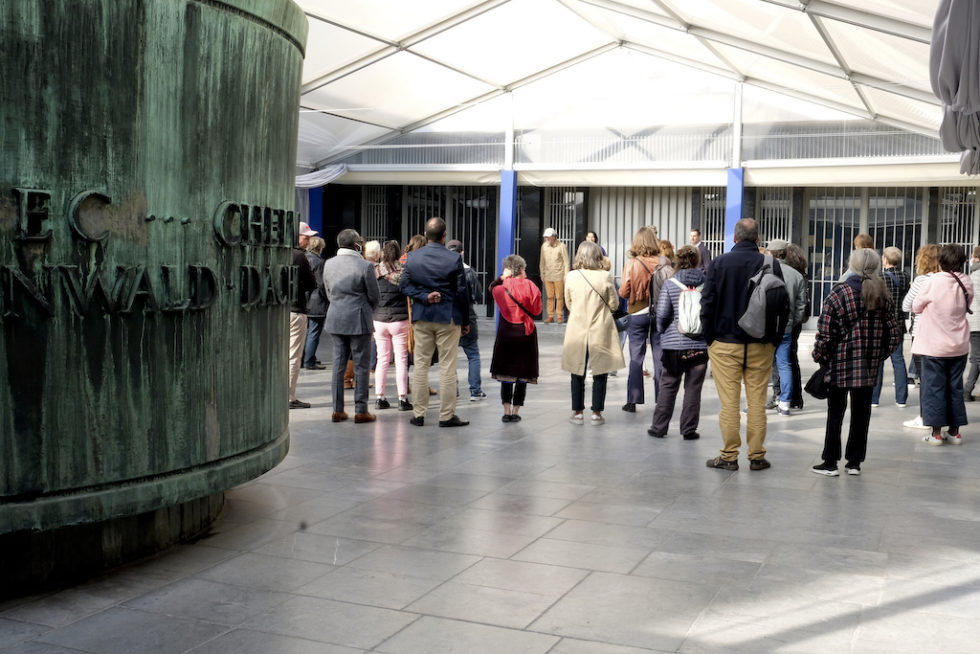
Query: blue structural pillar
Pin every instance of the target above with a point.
(315, 219)
(735, 200)
(507, 221)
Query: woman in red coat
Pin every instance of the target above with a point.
(515, 350)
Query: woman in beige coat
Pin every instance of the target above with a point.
(590, 336)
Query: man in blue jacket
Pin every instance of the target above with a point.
(734, 355)
(434, 280)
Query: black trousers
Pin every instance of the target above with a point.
(513, 393)
(857, 437)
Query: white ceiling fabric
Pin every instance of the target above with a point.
(378, 68)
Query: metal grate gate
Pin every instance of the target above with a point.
(775, 214)
(834, 220)
(713, 201)
(958, 218)
(375, 227)
(561, 203)
(895, 220)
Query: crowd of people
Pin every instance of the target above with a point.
(415, 307)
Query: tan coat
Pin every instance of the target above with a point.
(590, 324)
(554, 262)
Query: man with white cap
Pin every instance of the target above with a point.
(554, 266)
(297, 313)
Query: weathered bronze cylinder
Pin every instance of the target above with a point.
(147, 154)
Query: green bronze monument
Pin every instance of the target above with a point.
(147, 155)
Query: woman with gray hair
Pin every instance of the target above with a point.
(591, 336)
(515, 349)
(856, 332)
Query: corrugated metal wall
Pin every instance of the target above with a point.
(616, 213)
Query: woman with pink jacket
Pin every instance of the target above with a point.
(943, 341)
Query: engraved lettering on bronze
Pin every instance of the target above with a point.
(87, 215)
(139, 288)
(169, 274)
(204, 287)
(11, 278)
(80, 296)
(227, 222)
(251, 286)
(33, 206)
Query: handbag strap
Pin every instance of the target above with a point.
(519, 305)
(594, 289)
(966, 296)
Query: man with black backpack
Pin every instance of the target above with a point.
(743, 292)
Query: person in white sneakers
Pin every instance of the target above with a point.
(943, 341)
(926, 265)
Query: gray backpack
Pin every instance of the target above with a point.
(767, 312)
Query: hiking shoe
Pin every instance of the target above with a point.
(721, 464)
(953, 439)
(629, 407)
(853, 469)
(477, 396)
(693, 436)
(932, 440)
(759, 464)
(382, 403)
(404, 405)
(577, 419)
(418, 421)
(827, 469)
(916, 423)
(655, 434)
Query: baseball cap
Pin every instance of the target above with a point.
(777, 245)
(550, 232)
(454, 245)
(305, 230)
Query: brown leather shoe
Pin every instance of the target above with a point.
(364, 417)
(549, 319)
(338, 416)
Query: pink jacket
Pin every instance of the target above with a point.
(941, 327)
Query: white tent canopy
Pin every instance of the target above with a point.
(377, 69)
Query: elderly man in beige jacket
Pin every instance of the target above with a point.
(554, 266)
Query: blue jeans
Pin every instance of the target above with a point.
(314, 327)
(472, 351)
(901, 377)
(638, 332)
(785, 368)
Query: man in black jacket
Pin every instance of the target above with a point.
(735, 356)
(297, 313)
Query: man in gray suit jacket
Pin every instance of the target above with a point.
(353, 293)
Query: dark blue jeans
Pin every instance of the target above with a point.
(638, 333)
(471, 347)
(314, 327)
(901, 377)
(941, 391)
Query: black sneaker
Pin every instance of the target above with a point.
(721, 464)
(382, 403)
(772, 403)
(298, 404)
(827, 468)
(418, 421)
(629, 407)
(404, 405)
(693, 436)
(759, 464)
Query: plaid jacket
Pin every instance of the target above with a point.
(851, 340)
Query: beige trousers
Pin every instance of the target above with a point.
(428, 337)
(556, 297)
(729, 373)
(297, 339)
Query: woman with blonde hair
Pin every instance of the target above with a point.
(591, 339)
(926, 265)
(645, 261)
(856, 332)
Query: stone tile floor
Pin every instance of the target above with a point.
(541, 536)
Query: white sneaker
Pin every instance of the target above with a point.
(932, 440)
(874, 406)
(954, 439)
(577, 419)
(899, 405)
(916, 423)
(597, 420)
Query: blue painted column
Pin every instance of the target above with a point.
(734, 200)
(316, 209)
(507, 220)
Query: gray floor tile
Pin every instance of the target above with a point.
(452, 637)
(904, 632)
(35, 647)
(305, 546)
(373, 588)
(617, 514)
(243, 641)
(483, 604)
(697, 569)
(498, 544)
(606, 558)
(627, 610)
(572, 646)
(126, 630)
(199, 598)
(15, 631)
(542, 579)
(328, 621)
(415, 562)
(266, 572)
(508, 503)
(599, 533)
